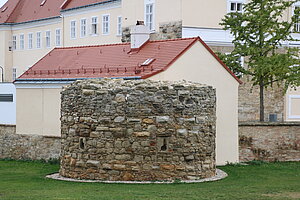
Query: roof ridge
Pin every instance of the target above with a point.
(127, 43)
(175, 39)
(86, 5)
(99, 45)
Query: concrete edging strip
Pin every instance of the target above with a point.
(219, 175)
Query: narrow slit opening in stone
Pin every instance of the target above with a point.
(81, 143)
(164, 146)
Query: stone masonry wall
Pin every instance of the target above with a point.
(27, 147)
(249, 102)
(269, 141)
(138, 130)
(249, 97)
(170, 30)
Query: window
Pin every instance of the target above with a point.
(48, 39)
(241, 60)
(22, 41)
(30, 41)
(82, 27)
(148, 62)
(38, 40)
(94, 25)
(105, 24)
(73, 29)
(235, 6)
(119, 26)
(14, 74)
(14, 42)
(149, 15)
(297, 24)
(4, 9)
(6, 98)
(43, 2)
(58, 37)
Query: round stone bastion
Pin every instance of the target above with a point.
(138, 130)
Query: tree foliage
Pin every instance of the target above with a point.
(263, 35)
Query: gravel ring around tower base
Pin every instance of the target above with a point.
(219, 175)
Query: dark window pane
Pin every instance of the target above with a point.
(232, 7)
(6, 98)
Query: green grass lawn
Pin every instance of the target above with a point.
(26, 180)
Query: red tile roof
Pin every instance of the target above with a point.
(18, 11)
(78, 3)
(28, 10)
(114, 60)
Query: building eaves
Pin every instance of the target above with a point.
(37, 20)
(66, 80)
(90, 5)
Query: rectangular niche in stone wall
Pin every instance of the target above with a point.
(163, 144)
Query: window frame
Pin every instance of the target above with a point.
(14, 42)
(58, 37)
(14, 73)
(48, 43)
(81, 28)
(30, 41)
(105, 24)
(229, 2)
(119, 26)
(6, 98)
(39, 40)
(296, 26)
(96, 33)
(152, 14)
(73, 28)
(22, 41)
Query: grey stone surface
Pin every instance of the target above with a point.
(27, 147)
(124, 143)
(169, 30)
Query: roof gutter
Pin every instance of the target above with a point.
(67, 80)
(89, 5)
(37, 20)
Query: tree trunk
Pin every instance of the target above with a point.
(261, 101)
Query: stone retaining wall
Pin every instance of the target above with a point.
(269, 141)
(138, 130)
(249, 101)
(27, 147)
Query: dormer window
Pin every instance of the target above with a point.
(43, 2)
(148, 61)
(4, 9)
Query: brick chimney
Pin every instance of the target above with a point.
(139, 35)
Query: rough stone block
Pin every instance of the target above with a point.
(138, 130)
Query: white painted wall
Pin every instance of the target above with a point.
(38, 109)
(292, 104)
(8, 109)
(198, 65)
(211, 36)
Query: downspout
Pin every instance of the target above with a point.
(2, 74)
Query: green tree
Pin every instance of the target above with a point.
(259, 32)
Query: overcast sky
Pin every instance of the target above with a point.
(2, 2)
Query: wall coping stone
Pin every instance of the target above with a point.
(7, 125)
(269, 123)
